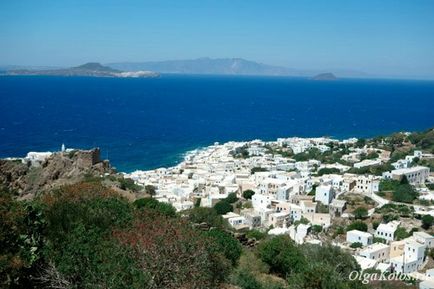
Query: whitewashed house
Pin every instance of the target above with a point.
(324, 194)
(378, 251)
(424, 238)
(367, 184)
(387, 231)
(415, 175)
(356, 236)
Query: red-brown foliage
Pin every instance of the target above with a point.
(175, 255)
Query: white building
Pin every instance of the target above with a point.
(411, 260)
(367, 184)
(260, 202)
(415, 175)
(324, 194)
(367, 163)
(424, 238)
(356, 236)
(378, 251)
(387, 231)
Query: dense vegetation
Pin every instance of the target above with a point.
(401, 191)
(87, 236)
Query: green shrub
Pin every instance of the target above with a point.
(282, 255)
(358, 225)
(427, 221)
(256, 234)
(360, 213)
(206, 215)
(248, 194)
(160, 207)
(223, 207)
(228, 245)
(356, 245)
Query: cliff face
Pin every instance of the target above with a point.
(59, 169)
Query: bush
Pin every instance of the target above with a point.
(360, 213)
(228, 245)
(223, 207)
(150, 190)
(327, 171)
(405, 193)
(246, 280)
(256, 234)
(356, 245)
(375, 225)
(401, 233)
(317, 229)
(328, 267)
(206, 215)
(175, 255)
(358, 225)
(231, 198)
(388, 185)
(248, 194)
(282, 255)
(21, 241)
(427, 221)
(160, 207)
(128, 184)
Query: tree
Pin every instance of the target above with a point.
(248, 194)
(150, 190)
(231, 198)
(360, 213)
(405, 193)
(206, 215)
(327, 171)
(401, 233)
(282, 255)
(427, 221)
(223, 207)
(226, 244)
(358, 225)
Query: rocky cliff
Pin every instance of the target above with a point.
(59, 169)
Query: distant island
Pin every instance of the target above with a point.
(325, 76)
(92, 69)
(223, 66)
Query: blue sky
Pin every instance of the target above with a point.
(386, 38)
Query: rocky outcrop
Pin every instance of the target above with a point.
(59, 169)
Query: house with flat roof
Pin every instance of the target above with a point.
(377, 251)
(387, 231)
(415, 175)
(356, 236)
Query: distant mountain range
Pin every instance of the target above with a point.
(225, 66)
(92, 69)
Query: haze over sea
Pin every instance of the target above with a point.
(150, 123)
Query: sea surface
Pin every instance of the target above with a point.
(150, 123)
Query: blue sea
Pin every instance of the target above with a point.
(150, 123)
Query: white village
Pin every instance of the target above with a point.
(315, 190)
